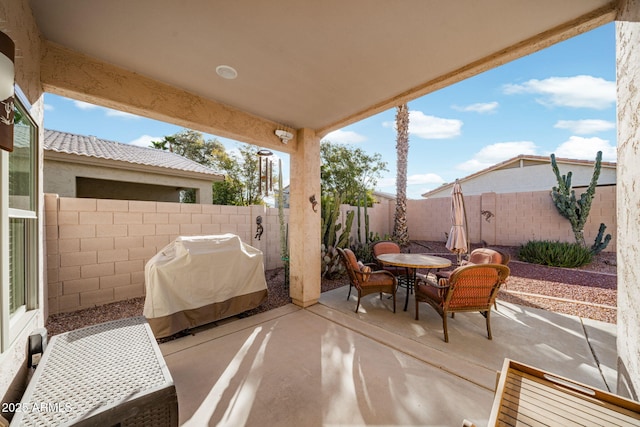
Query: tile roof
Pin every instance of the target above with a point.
(81, 145)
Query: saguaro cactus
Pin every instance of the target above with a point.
(564, 198)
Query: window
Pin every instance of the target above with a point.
(20, 201)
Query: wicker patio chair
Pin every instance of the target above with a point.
(387, 247)
(367, 281)
(480, 256)
(471, 287)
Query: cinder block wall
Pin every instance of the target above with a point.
(512, 219)
(96, 250)
(380, 219)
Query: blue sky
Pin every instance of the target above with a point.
(560, 100)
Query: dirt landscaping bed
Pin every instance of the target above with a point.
(589, 291)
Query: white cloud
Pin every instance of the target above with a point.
(426, 182)
(108, 112)
(84, 105)
(578, 147)
(585, 127)
(344, 137)
(430, 127)
(145, 140)
(576, 92)
(116, 113)
(480, 107)
(425, 178)
(496, 153)
(235, 153)
(388, 182)
(48, 107)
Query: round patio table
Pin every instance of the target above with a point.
(413, 262)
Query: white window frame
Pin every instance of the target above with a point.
(12, 325)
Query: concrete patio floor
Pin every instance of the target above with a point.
(326, 365)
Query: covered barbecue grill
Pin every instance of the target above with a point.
(200, 279)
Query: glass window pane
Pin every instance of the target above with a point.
(17, 263)
(21, 165)
(22, 180)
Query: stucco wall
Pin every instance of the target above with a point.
(628, 76)
(97, 249)
(61, 179)
(105, 189)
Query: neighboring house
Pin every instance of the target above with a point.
(89, 167)
(382, 197)
(527, 173)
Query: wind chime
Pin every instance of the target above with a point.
(265, 171)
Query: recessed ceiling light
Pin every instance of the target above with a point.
(226, 72)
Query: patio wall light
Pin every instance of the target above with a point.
(284, 135)
(7, 79)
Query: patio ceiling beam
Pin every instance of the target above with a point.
(74, 75)
(525, 47)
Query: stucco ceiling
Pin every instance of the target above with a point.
(312, 64)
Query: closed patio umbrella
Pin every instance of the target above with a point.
(458, 240)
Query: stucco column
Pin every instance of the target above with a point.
(304, 222)
(628, 197)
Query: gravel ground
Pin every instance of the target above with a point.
(588, 291)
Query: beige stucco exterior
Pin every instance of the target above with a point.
(304, 220)
(628, 196)
(130, 183)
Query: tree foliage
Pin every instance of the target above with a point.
(241, 184)
(349, 172)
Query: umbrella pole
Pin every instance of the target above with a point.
(466, 228)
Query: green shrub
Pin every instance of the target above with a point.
(556, 254)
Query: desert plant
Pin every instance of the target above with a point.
(284, 228)
(555, 253)
(364, 250)
(599, 245)
(331, 240)
(363, 200)
(564, 198)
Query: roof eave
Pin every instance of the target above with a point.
(118, 164)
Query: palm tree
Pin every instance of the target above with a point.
(400, 230)
(166, 144)
(159, 145)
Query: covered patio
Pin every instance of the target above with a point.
(305, 69)
(326, 365)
